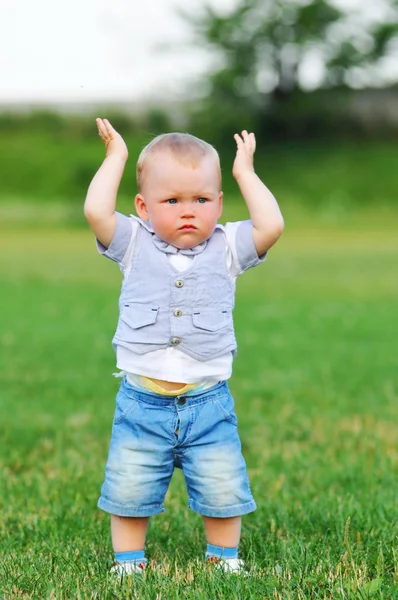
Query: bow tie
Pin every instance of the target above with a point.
(168, 248)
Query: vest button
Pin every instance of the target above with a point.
(177, 312)
(175, 341)
(179, 283)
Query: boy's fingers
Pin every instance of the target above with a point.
(104, 127)
(109, 127)
(238, 139)
(249, 140)
(253, 141)
(102, 132)
(101, 127)
(246, 137)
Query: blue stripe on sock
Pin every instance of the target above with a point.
(130, 556)
(221, 552)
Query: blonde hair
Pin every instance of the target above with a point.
(186, 148)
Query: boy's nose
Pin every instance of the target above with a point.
(187, 211)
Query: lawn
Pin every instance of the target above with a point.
(315, 385)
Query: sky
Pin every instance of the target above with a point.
(57, 50)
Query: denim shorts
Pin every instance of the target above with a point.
(197, 433)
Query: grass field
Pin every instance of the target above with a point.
(316, 389)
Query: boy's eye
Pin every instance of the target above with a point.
(171, 201)
(202, 200)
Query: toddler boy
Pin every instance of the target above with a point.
(175, 339)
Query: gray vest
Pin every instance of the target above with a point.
(161, 307)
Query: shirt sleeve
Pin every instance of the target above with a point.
(122, 241)
(241, 249)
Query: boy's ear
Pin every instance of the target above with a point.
(220, 197)
(140, 207)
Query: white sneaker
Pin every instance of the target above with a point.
(128, 567)
(229, 565)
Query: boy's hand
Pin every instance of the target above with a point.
(113, 141)
(246, 146)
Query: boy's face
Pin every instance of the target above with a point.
(182, 201)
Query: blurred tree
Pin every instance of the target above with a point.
(268, 50)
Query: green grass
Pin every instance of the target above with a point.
(315, 385)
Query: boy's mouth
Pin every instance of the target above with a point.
(187, 228)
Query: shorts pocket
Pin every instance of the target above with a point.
(125, 405)
(226, 405)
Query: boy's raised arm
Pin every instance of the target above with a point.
(100, 204)
(263, 208)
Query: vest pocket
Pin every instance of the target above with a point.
(212, 320)
(139, 324)
(139, 315)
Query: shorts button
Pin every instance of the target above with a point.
(182, 400)
(175, 341)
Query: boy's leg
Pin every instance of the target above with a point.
(128, 540)
(128, 533)
(223, 532)
(138, 472)
(223, 535)
(216, 475)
